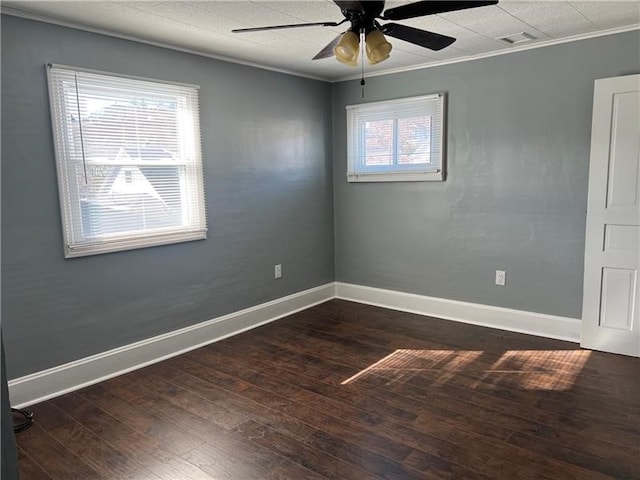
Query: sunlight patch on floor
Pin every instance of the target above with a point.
(404, 363)
(538, 369)
(524, 369)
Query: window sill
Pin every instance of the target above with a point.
(396, 177)
(132, 244)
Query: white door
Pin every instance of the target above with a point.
(611, 303)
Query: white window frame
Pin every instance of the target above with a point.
(432, 105)
(194, 225)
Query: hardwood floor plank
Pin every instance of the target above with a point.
(351, 392)
(527, 426)
(212, 409)
(94, 451)
(488, 426)
(545, 367)
(500, 468)
(385, 446)
(435, 467)
(117, 403)
(471, 425)
(370, 461)
(178, 417)
(289, 470)
(477, 446)
(577, 421)
(311, 458)
(292, 387)
(29, 469)
(234, 460)
(145, 449)
(200, 380)
(569, 403)
(405, 338)
(627, 468)
(53, 457)
(320, 417)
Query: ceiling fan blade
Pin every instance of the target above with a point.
(327, 51)
(419, 9)
(293, 25)
(430, 40)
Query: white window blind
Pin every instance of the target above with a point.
(128, 159)
(396, 140)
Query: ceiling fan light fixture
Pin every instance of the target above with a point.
(346, 51)
(363, 17)
(378, 49)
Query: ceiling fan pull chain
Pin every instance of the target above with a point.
(362, 42)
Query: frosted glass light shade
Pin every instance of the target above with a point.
(346, 51)
(378, 49)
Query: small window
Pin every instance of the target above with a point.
(396, 140)
(128, 160)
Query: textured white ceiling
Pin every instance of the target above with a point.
(205, 27)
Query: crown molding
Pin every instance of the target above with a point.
(14, 12)
(513, 49)
(516, 48)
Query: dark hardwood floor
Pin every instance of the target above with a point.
(351, 392)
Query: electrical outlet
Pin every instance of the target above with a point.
(277, 271)
(501, 277)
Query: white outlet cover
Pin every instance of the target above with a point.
(501, 277)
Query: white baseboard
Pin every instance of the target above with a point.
(56, 381)
(550, 326)
(62, 379)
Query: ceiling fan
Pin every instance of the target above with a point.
(363, 15)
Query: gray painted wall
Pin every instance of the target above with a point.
(515, 197)
(267, 160)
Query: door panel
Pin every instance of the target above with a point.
(625, 144)
(610, 317)
(621, 237)
(617, 301)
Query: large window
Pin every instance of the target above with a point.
(128, 160)
(396, 140)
